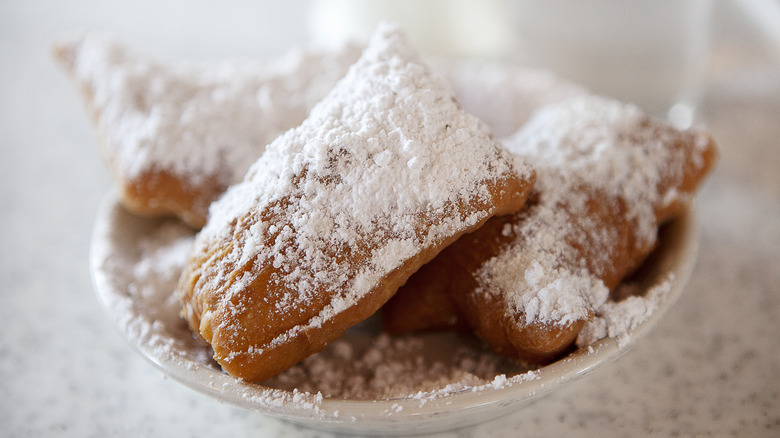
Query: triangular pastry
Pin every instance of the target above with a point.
(176, 136)
(607, 177)
(385, 172)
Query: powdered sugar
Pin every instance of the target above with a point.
(148, 265)
(607, 144)
(196, 121)
(617, 319)
(584, 148)
(303, 400)
(364, 365)
(537, 287)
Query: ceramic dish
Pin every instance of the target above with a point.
(138, 298)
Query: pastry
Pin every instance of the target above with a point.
(385, 172)
(608, 176)
(174, 136)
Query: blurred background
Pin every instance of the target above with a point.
(714, 365)
(656, 54)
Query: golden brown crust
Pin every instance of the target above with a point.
(245, 332)
(159, 193)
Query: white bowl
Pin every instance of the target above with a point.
(138, 298)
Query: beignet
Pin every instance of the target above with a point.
(385, 172)
(608, 176)
(176, 136)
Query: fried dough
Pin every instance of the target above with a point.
(608, 176)
(175, 137)
(385, 172)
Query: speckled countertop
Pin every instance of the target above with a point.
(712, 367)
